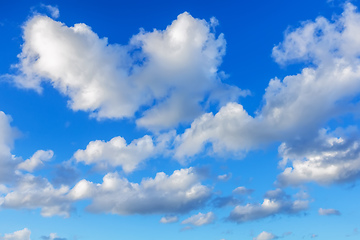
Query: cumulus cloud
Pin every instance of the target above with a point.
(200, 219)
(36, 160)
(265, 236)
(18, 235)
(329, 211)
(35, 192)
(296, 106)
(331, 157)
(172, 74)
(169, 219)
(275, 202)
(177, 193)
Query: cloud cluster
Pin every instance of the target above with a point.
(275, 202)
(177, 193)
(172, 73)
(331, 157)
(298, 105)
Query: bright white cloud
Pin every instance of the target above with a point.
(176, 68)
(177, 193)
(332, 157)
(265, 236)
(36, 160)
(275, 202)
(200, 219)
(18, 235)
(299, 104)
(169, 219)
(328, 211)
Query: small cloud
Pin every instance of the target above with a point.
(242, 191)
(314, 236)
(200, 219)
(224, 177)
(53, 10)
(330, 211)
(169, 219)
(220, 202)
(265, 236)
(52, 236)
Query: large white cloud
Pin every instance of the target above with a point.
(173, 72)
(177, 193)
(331, 157)
(275, 202)
(18, 235)
(298, 105)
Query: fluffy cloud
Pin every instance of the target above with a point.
(18, 235)
(36, 160)
(117, 152)
(275, 202)
(34, 192)
(177, 193)
(171, 73)
(329, 211)
(200, 219)
(295, 107)
(265, 236)
(332, 157)
(169, 219)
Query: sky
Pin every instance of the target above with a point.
(216, 120)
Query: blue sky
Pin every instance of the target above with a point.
(179, 120)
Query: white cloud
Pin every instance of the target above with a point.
(328, 211)
(177, 193)
(242, 190)
(18, 235)
(177, 69)
(265, 236)
(332, 157)
(200, 219)
(297, 106)
(54, 10)
(34, 192)
(169, 219)
(275, 202)
(225, 177)
(36, 160)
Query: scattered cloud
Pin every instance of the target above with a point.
(275, 202)
(52, 236)
(265, 236)
(200, 219)
(36, 161)
(169, 219)
(242, 191)
(54, 10)
(18, 235)
(225, 177)
(329, 211)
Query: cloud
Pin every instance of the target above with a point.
(35, 192)
(52, 236)
(169, 219)
(177, 193)
(331, 157)
(36, 160)
(330, 211)
(18, 235)
(242, 191)
(172, 74)
(275, 202)
(220, 202)
(296, 106)
(54, 10)
(265, 236)
(224, 177)
(200, 219)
